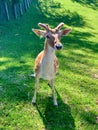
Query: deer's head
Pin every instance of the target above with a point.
(52, 36)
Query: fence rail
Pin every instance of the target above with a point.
(12, 9)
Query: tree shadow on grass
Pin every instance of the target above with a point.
(76, 39)
(90, 117)
(70, 18)
(56, 118)
(16, 83)
(90, 3)
(49, 10)
(79, 40)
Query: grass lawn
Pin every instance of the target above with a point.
(77, 78)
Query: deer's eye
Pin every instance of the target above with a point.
(47, 36)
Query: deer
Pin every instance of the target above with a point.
(46, 63)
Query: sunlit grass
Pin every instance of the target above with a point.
(77, 78)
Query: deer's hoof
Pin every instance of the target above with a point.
(55, 104)
(33, 102)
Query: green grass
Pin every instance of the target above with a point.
(77, 78)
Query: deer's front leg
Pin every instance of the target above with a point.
(36, 88)
(54, 93)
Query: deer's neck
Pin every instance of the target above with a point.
(48, 50)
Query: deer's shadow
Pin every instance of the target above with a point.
(56, 118)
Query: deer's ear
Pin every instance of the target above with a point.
(39, 32)
(65, 32)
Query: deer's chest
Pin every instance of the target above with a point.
(47, 68)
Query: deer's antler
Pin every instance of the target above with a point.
(45, 26)
(59, 26)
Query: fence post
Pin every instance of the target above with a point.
(25, 4)
(15, 11)
(28, 3)
(20, 7)
(6, 10)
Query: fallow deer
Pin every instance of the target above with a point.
(46, 63)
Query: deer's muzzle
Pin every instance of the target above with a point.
(58, 46)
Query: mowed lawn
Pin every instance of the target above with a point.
(77, 78)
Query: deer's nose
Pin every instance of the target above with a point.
(59, 46)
